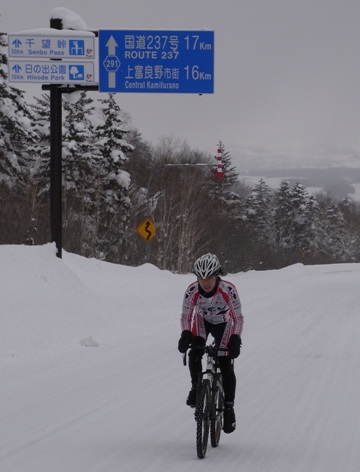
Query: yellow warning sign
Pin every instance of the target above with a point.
(147, 229)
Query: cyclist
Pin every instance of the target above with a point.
(212, 305)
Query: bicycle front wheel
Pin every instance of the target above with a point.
(217, 418)
(202, 417)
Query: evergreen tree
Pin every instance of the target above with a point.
(296, 223)
(80, 164)
(79, 152)
(231, 176)
(38, 185)
(259, 222)
(225, 194)
(283, 215)
(315, 230)
(334, 242)
(351, 212)
(259, 211)
(113, 183)
(301, 220)
(41, 148)
(227, 204)
(15, 127)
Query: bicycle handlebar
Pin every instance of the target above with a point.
(209, 349)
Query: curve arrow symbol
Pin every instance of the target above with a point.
(147, 230)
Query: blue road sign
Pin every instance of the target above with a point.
(156, 61)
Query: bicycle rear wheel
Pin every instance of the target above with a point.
(202, 417)
(217, 419)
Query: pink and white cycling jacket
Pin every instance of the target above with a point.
(222, 307)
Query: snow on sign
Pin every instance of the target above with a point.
(156, 61)
(44, 46)
(52, 72)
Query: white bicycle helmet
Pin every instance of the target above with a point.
(206, 266)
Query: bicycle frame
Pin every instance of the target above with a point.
(209, 401)
(212, 371)
(213, 375)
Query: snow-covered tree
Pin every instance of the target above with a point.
(231, 176)
(113, 182)
(225, 192)
(258, 211)
(41, 148)
(227, 204)
(109, 138)
(283, 215)
(301, 219)
(258, 220)
(80, 162)
(315, 229)
(335, 237)
(15, 126)
(351, 212)
(79, 152)
(296, 222)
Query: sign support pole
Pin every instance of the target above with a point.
(56, 167)
(56, 159)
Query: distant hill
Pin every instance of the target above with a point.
(339, 182)
(335, 171)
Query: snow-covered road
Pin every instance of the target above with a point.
(120, 406)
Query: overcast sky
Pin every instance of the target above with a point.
(287, 72)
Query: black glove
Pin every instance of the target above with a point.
(234, 346)
(198, 345)
(185, 340)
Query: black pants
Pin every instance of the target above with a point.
(225, 363)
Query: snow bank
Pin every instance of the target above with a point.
(44, 304)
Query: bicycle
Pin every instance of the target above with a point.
(209, 409)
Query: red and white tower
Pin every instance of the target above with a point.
(219, 169)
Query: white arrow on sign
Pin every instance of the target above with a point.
(112, 45)
(111, 62)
